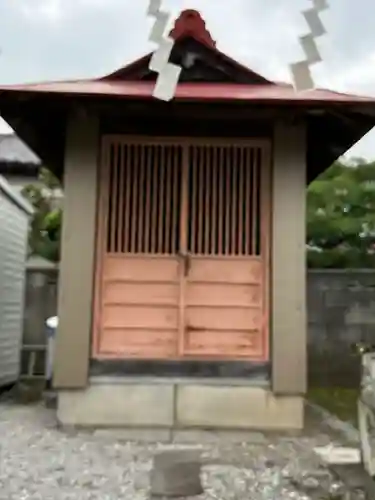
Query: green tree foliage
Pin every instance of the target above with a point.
(341, 216)
(44, 235)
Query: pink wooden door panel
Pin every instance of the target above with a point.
(226, 308)
(138, 310)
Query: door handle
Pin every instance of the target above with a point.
(186, 263)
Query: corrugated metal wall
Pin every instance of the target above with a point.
(14, 220)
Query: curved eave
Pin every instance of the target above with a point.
(214, 92)
(335, 122)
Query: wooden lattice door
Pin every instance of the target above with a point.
(183, 250)
(225, 312)
(139, 281)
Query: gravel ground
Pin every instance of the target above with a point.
(39, 461)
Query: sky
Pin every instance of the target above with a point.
(67, 39)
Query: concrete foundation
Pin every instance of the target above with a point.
(176, 406)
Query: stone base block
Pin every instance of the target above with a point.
(118, 405)
(184, 409)
(238, 407)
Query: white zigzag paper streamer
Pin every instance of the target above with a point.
(301, 73)
(168, 73)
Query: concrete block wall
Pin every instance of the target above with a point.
(341, 311)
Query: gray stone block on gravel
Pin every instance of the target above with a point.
(176, 474)
(50, 399)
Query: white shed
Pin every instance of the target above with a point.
(15, 213)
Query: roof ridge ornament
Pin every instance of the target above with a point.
(301, 74)
(190, 22)
(168, 73)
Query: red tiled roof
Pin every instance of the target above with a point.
(189, 24)
(328, 134)
(276, 93)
